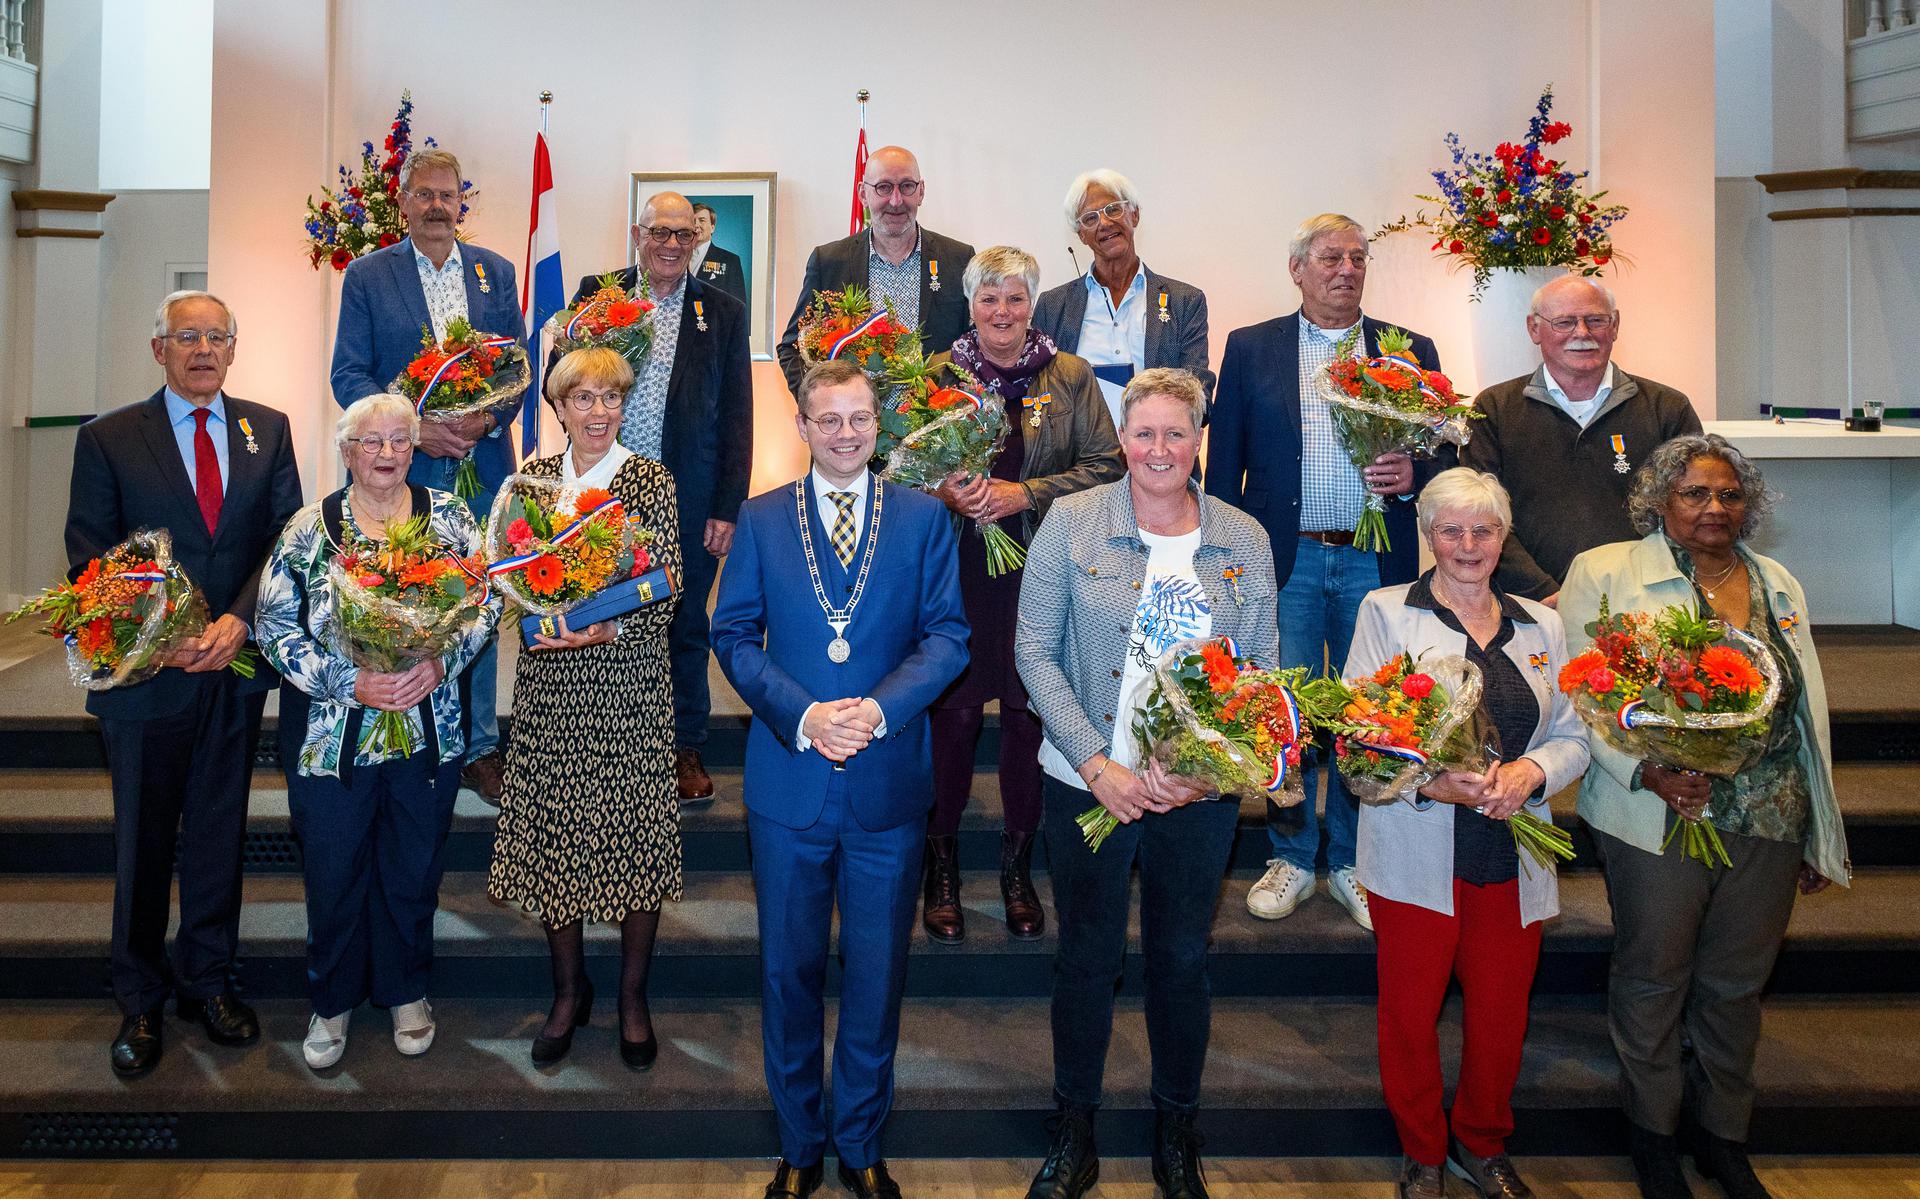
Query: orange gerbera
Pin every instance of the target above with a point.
(545, 574)
(1573, 675)
(622, 314)
(1392, 378)
(88, 575)
(948, 397)
(1221, 672)
(1727, 667)
(590, 499)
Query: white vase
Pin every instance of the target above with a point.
(1501, 348)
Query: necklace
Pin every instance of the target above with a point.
(373, 514)
(1492, 602)
(838, 650)
(1721, 581)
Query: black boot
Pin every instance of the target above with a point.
(1656, 1164)
(1725, 1162)
(1073, 1164)
(941, 901)
(1176, 1156)
(1026, 919)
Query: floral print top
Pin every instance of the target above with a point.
(303, 651)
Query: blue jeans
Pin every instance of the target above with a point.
(1317, 607)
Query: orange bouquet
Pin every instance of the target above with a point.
(551, 546)
(467, 373)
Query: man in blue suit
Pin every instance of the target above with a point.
(1275, 455)
(388, 296)
(839, 622)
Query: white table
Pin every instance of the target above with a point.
(1848, 521)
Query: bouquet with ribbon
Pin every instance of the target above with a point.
(935, 431)
(466, 374)
(1680, 691)
(848, 324)
(1384, 404)
(125, 613)
(1211, 717)
(613, 317)
(399, 602)
(551, 546)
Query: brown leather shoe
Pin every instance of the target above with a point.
(1026, 919)
(486, 774)
(940, 899)
(695, 784)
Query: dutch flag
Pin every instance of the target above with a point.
(543, 289)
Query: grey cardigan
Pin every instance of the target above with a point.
(1081, 587)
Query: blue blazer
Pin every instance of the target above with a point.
(909, 638)
(1180, 340)
(382, 310)
(1253, 454)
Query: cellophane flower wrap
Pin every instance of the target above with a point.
(551, 545)
(465, 374)
(397, 603)
(936, 430)
(849, 324)
(1387, 404)
(1406, 724)
(613, 317)
(1211, 717)
(1679, 690)
(124, 614)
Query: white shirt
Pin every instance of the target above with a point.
(446, 289)
(1173, 607)
(699, 256)
(829, 512)
(1110, 336)
(600, 474)
(1582, 411)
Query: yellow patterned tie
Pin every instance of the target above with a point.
(843, 526)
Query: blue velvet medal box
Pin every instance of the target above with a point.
(628, 595)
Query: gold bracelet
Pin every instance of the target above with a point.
(1098, 773)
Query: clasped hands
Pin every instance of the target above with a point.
(1497, 793)
(1129, 796)
(400, 691)
(213, 649)
(452, 438)
(981, 498)
(1687, 793)
(841, 728)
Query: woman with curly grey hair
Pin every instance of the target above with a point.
(1693, 944)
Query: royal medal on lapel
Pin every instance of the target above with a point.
(480, 273)
(1164, 318)
(933, 274)
(1620, 463)
(1788, 624)
(1037, 405)
(713, 270)
(1538, 662)
(1232, 575)
(700, 316)
(246, 431)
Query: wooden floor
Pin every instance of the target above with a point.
(1228, 1178)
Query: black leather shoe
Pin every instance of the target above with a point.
(940, 912)
(1026, 919)
(870, 1183)
(1073, 1163)
(226, 1019)
(548, 1050)
(793, 1182)
(639, 1055)
(1656, 1164)
(136, 1047)
(1176, 1156)
(1725, 1162)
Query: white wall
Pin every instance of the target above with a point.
(156, 93)
(145, 233)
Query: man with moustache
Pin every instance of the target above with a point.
(714, 265)
(1275, 455)
(915, 269)
(1566, 440)
(691, 410)
(839, 622)
(388, 296)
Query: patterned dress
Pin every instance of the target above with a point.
(590, 818)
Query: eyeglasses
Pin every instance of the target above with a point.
(1455, 534)
(373, 443)
(908, 189)
(1327, 262)
(426, 195)
(1699, 497)
(859, 422)
(1567, 324)
(187, 339)
(1090, 219)
(583, 401)
(660, 235)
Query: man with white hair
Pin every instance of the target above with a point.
(1566, 440)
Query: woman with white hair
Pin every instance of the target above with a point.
(1118, 315)
(1061, 440)
(1449, 894)
(370, 821)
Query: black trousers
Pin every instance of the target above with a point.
(180, 782)
(688, 644)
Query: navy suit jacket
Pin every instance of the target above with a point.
(1180, 340)
(1253, 454)
(382, 309)
(706, 443)
(127, 475)
(909, 638)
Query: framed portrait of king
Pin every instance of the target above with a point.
(733, 215)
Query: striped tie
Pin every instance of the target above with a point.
(843, 526)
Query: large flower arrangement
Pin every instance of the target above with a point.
(361, 212)
(1517, 207)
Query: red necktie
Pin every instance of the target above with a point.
(206, 471)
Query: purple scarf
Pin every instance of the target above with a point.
(1009, 383)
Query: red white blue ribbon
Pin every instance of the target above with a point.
(498, 343)
(519, 561)
(1628, 713)
(144, 576)
(1279, 779)
(1419, 376)
(858, 331)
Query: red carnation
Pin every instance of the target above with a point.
(1456, 246)
(326, 205)
(1584, 219)
(1417, 686)
(1479, 192)
(1489, 219)
(641, 560)
(1541, 237)
(519, 533)
(1581, 245)
(1600, 680)
(371, 580)
(1503, 196)
(1557, 212)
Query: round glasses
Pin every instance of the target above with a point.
(859, 422)
(583, 401)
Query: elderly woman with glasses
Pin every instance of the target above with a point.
(370, 818)
(1693, 945)
(1449, 894)
(1061, 441)
(1119, 316)
(589, 817)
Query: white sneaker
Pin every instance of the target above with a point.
(413, 1027)
(1352, 896)
(1279, 890)
(326, 1040)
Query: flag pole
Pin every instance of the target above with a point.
(546, 98)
